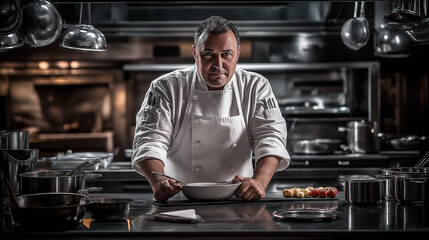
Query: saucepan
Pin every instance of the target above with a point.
(55, 181)
(206, 190)
(363, 191)
(41, 211)
(412, 188)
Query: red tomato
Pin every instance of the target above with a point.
(314, 193)
(332, 192)
(322, 193)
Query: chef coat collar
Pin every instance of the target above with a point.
(200, 84)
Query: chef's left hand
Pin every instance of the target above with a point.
(250, 189)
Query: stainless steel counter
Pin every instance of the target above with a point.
(252, 220)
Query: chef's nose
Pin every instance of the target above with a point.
(218, 61)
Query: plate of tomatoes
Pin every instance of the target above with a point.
(310, 193)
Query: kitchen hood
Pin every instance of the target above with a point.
(179, 19)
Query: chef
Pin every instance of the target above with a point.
(203, 123)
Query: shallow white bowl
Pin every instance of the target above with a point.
(209, 190)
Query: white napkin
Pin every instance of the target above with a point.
(189, 213)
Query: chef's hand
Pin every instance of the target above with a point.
(166, 189)
(250, 189)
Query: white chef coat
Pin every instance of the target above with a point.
(158, 124)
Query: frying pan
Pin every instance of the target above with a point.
(315, 146)
(41, 24)
(10, 16)
(53, 211)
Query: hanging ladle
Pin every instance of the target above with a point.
(423, 160)
(355, 31)
(79, 169)
(403, 17)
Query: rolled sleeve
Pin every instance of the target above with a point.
(153, 129)
(269, 132)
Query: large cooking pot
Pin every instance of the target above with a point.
(389, 175)
(361, 136)
(55, 181)
(412, 188)
(363, 191)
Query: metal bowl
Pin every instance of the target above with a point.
(10, 16)
(41, 24)
(10, 41)
(109, 209)
(83, 37)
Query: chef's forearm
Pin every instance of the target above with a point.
(149, 165)
(265, 169)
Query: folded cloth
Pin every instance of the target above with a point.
(188, 215)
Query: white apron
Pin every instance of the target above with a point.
(212, 143)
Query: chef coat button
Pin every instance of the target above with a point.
(196, 120)
(198, 169)
(197, 144)
(234, 145)
(231, 168)
(195, 97)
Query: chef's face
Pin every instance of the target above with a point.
(217, 58)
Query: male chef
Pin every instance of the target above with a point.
(204, 122)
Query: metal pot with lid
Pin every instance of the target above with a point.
(361, 136)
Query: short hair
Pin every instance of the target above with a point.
(215, 25)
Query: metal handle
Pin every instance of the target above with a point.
(421, 181)
(83, 166)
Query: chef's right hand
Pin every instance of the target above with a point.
(166, 189)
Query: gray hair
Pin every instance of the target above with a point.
(215, 25)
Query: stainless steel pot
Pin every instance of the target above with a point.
(55, 181)
(361, 136)
(364, 191)
(412, 188)
(389, 175)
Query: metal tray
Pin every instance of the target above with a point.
(305, 215)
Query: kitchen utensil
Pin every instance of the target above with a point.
(10, 41)
(316, 146)
(55, 181)
(423, 160)
(404, 16)
(389, 175)
(106, 158)
(407, 142)
(164, 175)
(16, 162)
(364, 191)
(420, 34)
(354, 176)
(109, 209)
(78, 170)
(44, 211)
(355, 32)
(10, 16)
(84, 37)
(361, 136)
(209, 190)
(41, 23)
(305, 215)
(412, 188)
(17, 140)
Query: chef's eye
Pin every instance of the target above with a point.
(207, 54)
(226, 54)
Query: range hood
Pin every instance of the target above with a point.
(176, 19)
